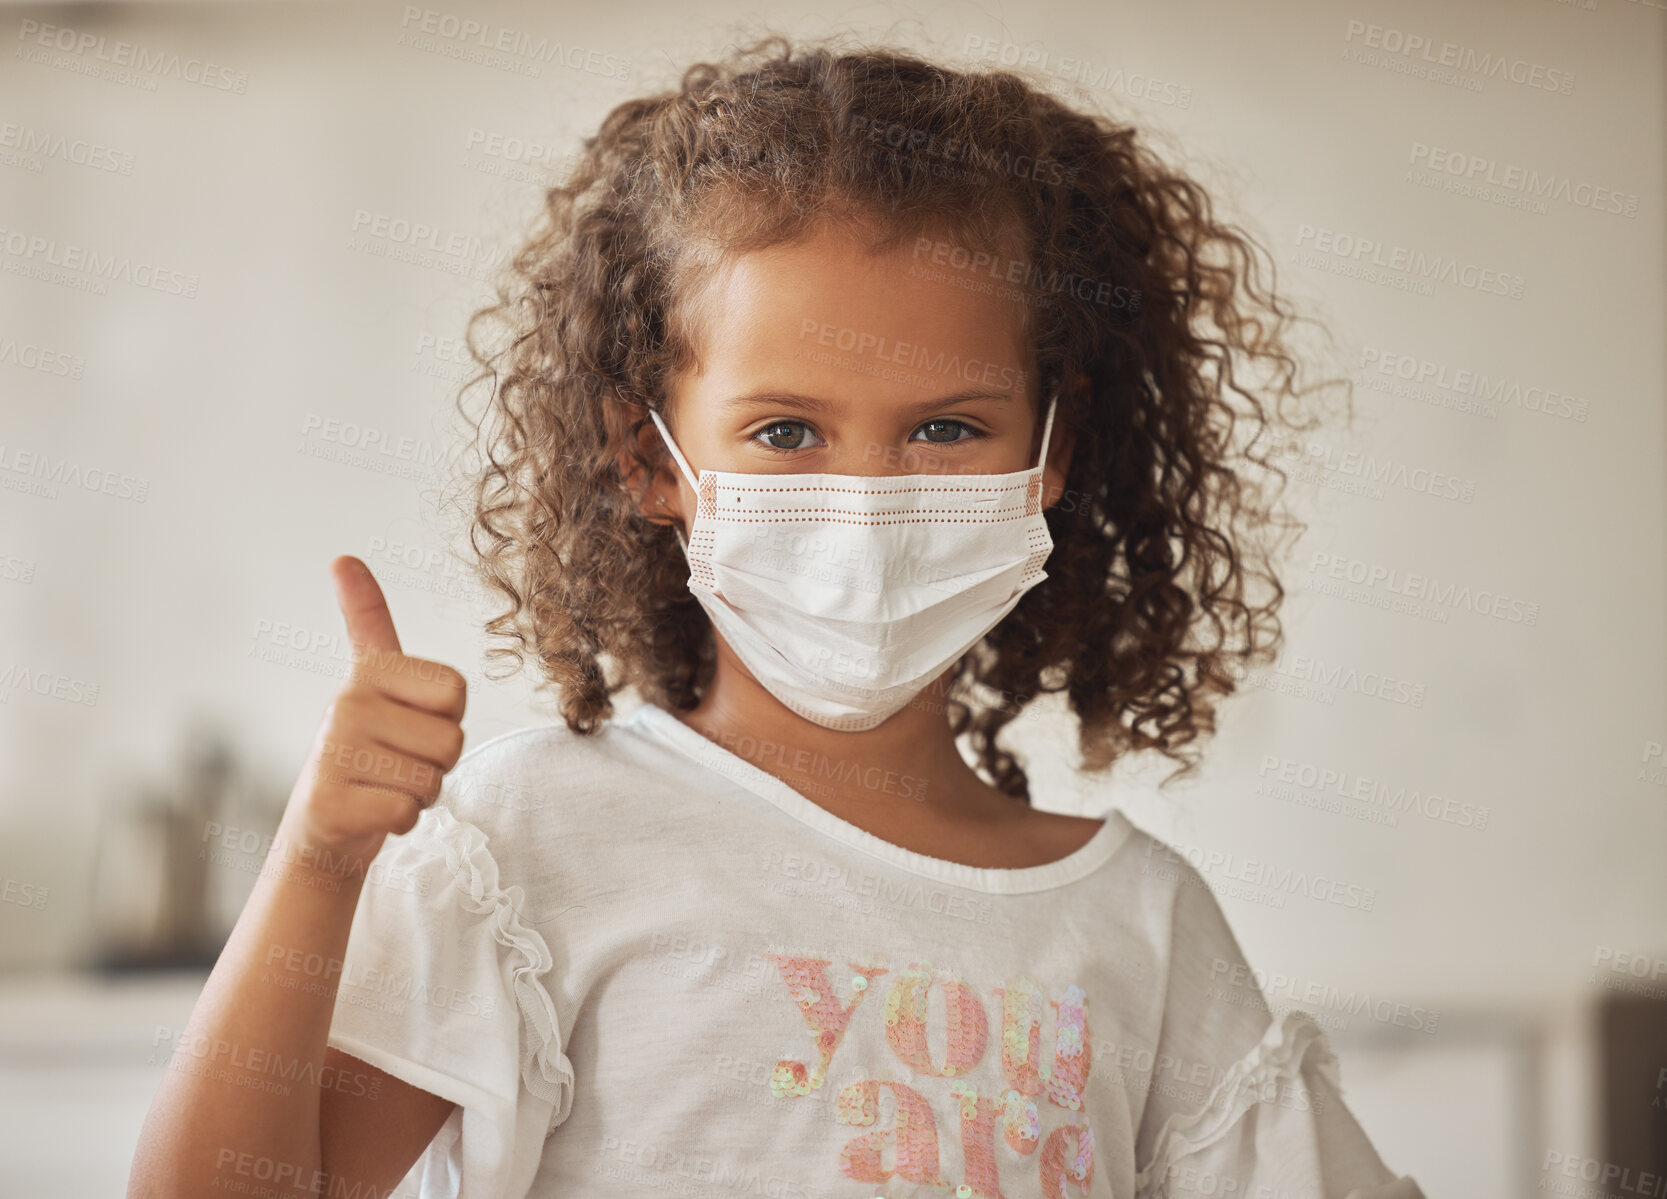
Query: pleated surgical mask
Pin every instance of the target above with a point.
(845, 595)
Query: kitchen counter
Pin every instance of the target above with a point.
(80, 1058)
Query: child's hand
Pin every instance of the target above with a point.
(388, 737)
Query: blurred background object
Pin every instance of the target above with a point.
(158, 902)
(240, 241)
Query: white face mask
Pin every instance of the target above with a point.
(845, 595)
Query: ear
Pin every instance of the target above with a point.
(655, 492)
(1057, 465)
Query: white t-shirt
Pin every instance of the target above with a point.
(642, 965)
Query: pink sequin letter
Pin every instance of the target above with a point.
(968, 1031)
(1022, 1004)
(826, 1017)
(914, 1136)
(978, 1150)
(1060, 1167)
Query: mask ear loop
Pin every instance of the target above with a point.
(1047, 432)
(682, 464)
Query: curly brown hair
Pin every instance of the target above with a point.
(1144, 302)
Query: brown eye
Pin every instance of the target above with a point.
(954, 427)
(783, 435)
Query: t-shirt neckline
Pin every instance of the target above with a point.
(1079, 863)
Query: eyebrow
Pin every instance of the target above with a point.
(774, 398)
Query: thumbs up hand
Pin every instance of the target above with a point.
(387, 738)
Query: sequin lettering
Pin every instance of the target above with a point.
(1030, 1077)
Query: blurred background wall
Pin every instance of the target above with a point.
(236, 260)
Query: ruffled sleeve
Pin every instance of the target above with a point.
(1259, 1110)
(443, 987)
(1274, 1124)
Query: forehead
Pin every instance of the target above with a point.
(827, 291)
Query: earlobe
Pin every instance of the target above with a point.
(1056, 467)
(659, 512)
(651, 505)
(1053, 483)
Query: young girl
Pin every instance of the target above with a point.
(851, 403)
